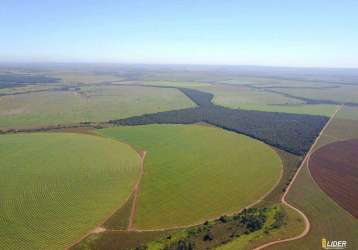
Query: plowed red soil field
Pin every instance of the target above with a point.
(335, 169)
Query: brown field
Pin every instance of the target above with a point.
(327, 218)
(334, 168)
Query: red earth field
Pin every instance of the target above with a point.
(335, 169)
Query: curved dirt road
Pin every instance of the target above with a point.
(285, 202)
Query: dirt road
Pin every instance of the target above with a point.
(285, 202)
(136, 193)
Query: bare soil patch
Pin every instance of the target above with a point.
(335, 169)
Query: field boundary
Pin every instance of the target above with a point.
(99, 227)
(136, 190)
(214, 218)
(286, 203)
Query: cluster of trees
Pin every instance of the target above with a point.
(291, 132)
(252, 218)
(183, 244)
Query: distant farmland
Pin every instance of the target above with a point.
(73, 143)
(55, 187)
(193, 173)
(89, 104)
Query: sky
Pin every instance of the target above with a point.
(307, 33)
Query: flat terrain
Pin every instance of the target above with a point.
(70, 77)
(307, 109)
(233, 96)
(243, 97)
(55, 187)
(340, 94)
(91, 103)
(86, 185)
(182, 84)
(334, 167)
(326, 217)
(193, 172)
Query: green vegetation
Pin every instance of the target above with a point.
(209, 235)
(13, 79)
(181, 84)
(243, 97)
(84, 77)
(120, 219)
(55, 187)
(327, 218)
(235, 96)
(348, 113)
(291, 222)
(266, 81)
(193, 173)
(291, 163)
(339, 94)
(282, 222)
(88, 104)
(117, 240)
(308, 109)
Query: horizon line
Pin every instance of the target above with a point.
(172, 64)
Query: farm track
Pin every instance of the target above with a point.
(136, 190)
(285, 202)
(199, 223)
(99, 228)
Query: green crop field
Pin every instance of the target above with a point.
(194, 172)
(183, 84)
(234, 96)
(341, 94)
(348, 113)
(55, 187)
(246, 98)
(88, 104)
(84, 77)
(308, 109)
(328, 220)
(264, 81)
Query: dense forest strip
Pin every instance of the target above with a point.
(202, 99)
(293, 133)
